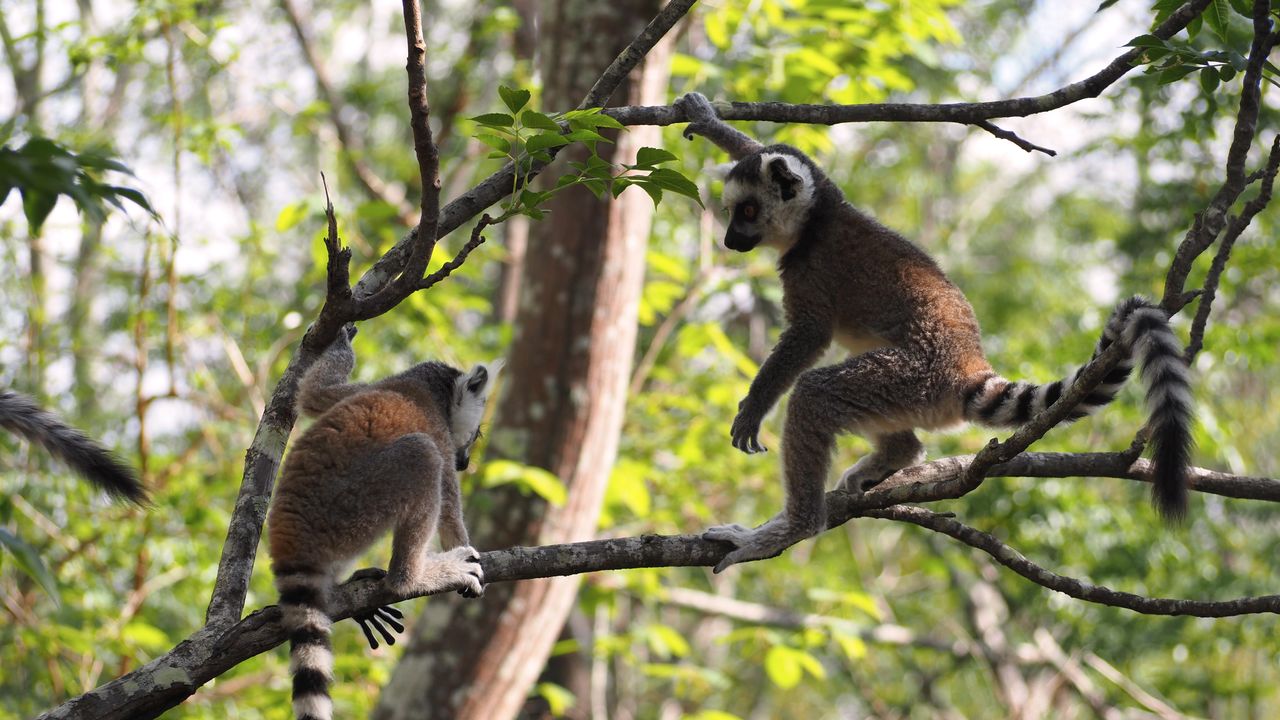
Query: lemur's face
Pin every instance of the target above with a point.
(768, 195)
(470, 393)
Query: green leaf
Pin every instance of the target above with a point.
(666, 642)
(1194, 26)
(654, 191)
(4, 191)
(782, 667)
(1147, 41)
(500, 144)
(543, 141)
(145, 635)
(514, 98)
(1175, 73)
(536, 120)
(672, 180)
(535, 479)
(37, 205)
(495, 120)
(30, 563)
(593, 120)
(1217, 15)
(648, 157)
(134, 196)
(290, 216)
(586, 135)
(1242, 7)
(1209, 80)
(559, 700)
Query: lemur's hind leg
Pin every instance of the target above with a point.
(893, 452)
(866, 394)
(421, 468)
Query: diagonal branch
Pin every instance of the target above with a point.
(1209, 222)
(1076, 588)
(1235, 226)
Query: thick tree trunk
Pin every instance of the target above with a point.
(564, 397)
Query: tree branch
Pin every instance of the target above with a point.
(214, 649)
(1209, 222)
(1076, 588)
(1235, 227)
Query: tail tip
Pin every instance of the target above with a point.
(1172, 506)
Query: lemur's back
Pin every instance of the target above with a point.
(891, 293)
(328, 469)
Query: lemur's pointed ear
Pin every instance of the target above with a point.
(482, 376)
(782, 176)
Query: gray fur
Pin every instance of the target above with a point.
(20, 414)
(916, 352)
(380, 456)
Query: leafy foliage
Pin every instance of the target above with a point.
(526, 136)
(41, 170)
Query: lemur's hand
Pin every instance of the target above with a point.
(746, 428)
(351, 330)
(699, 111)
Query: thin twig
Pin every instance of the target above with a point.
(461, 257)
(1013, 138)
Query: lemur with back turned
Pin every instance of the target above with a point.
(916, 357)
(20, 414)
(381, 456)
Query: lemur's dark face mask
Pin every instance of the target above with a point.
(744, 232)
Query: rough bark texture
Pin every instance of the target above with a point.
(563, 404)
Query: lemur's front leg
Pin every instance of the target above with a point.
(325, 382)
(704, 121)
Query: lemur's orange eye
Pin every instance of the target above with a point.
(749, 211)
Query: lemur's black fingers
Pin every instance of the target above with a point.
(368, 634)
(385, 633)
(351, 330)
(391, 617)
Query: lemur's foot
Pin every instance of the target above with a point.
(463, 564)
(766, 541)
(369, 573)
(378, 619)
(863, 476)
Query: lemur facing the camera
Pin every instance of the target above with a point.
(382, 456)
(916, 357)
(20, 414)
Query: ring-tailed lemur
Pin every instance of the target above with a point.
(916, 350)
(379, 457)
(20, 414)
